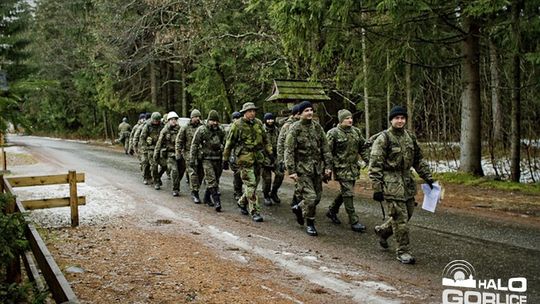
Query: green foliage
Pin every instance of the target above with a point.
(12, 239)
(470, 180)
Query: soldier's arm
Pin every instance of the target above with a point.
(376, 162)
(281, 142)
(419, 163)
(194, 150)
(290, 147)
(363, 148)
(142, 136)
(179, 141)
(159, 142)
(230, 141)
(325, 149)
(266, 143)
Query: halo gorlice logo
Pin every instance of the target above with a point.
(461, 274)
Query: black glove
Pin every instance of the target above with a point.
(430, 183)
(378, 196)
(131, 152)
(281, 167)
(225, 165)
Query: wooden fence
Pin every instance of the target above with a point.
(40, 259)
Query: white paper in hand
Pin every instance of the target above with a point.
(431, 196)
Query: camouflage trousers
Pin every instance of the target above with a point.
(400, 213)
(309, 189)
(250, 178)
(145, 164)
(124, 140)
(267, 185)
(155, 167)
(345, 197)
(195, 176)
(175, 173)
(212, 173)
(237, 180)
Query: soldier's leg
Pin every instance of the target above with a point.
(171, 163)
(126, 144)
(237, 182)
(333, 209)
(347, 192)
(181, 168)
(399, 226)
(216, 195)
(146, 169)
(278, 180)
(311, 194)
(249, 180)
(154, 170)
(266, 184)
(211, 180)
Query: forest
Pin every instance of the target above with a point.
(467, 71)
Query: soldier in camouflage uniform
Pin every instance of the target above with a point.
(144, 165)
(165, 148)
(393, 154)
(135, 132)
(308, 161)
(294, 117)
(183, 147)
(208, 144)
(124, 130)
(148, 139)
(347, 145)
(270, 189)
(237, 180)
(247, 139)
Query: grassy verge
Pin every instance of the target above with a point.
(469, 180)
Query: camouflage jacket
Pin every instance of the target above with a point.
(248, 141)
(306, 149)
(208, 143)
(166, 140)
(347, 145)
(134, 135)
(281, 139)
(272, 134)
(149, 136)
(391, 160)
(124, 127)
(184, 138)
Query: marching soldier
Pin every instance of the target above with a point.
(165, 149)
(393, 154)
(148, 139)
(183, 147)
(270, 189)
(294, 117)
(237, 180)
(249, 143)
(124, 130)
(208, 145)
(134, 131)
(308, 161)
(347, 145)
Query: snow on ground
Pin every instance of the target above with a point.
(103, 205)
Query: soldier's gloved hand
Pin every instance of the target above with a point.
(378, 196)
(281, 167)
(430, 183)
(225, 165)
(131, 152)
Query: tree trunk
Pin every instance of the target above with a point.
(153, 84)
(515, 172)
(105, 125)
(184, 92)
(365, 69)
(388, 89)
(496, 104)
(228, 108)
(408, 90)
(471, 112)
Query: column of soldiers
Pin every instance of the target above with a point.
(253, 149)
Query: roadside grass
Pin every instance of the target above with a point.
(486, 182)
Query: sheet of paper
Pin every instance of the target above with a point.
(431, 196)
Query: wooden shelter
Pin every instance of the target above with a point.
(291, 91)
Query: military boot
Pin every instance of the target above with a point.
(297, 210)
(157, 186)
(267, 200)
(207, 198)
(357, 227)
(310, 228)
(195, 197)
(383, 236)
(175, 193)
(243, 210)
(406, 258)
(333, 217)
(216, 198)
(256, 217)
(275, 197)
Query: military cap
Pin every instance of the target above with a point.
(248, 106)
(397, 110)
(195, 113)
(236, 115)
(304, 105)
(124, 119)
(268, 116)
(294, 109)
(142, 116)
(342, 114)
(156, 116)
(213, 115)
(147, 115)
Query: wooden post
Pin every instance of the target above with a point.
(1, 183)
(13, 271)
(73, 198)
(4, 160)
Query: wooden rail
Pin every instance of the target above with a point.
(39, 259)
